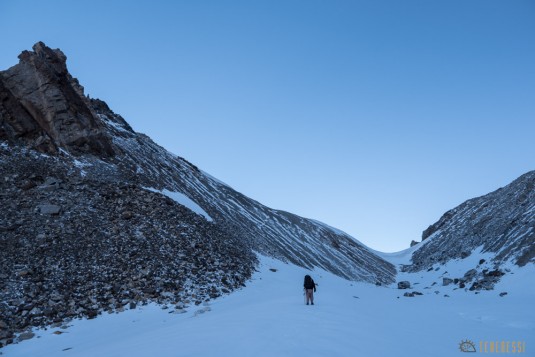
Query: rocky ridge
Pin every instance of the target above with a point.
(501, 222)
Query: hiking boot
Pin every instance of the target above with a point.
(307, 303)
(312, 303)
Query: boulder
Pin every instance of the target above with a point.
(495, 273)
(27, 184)
(26, 336)
(50, 184)
(486, 284)
(446, 281)
(404, 285)
(470, 274)
(91, 314)
(49, 209)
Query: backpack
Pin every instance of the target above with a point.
(309, 283)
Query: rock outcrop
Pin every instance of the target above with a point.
(42, 104)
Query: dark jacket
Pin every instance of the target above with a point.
(309, 283)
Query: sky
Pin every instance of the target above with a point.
(375, 117)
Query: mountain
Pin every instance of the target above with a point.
(98, 217)
(500, 225)
(58, 117)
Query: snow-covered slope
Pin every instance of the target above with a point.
(45, 108)
(271, 232)
(502, 222)
(473, 245)
(269, 318)
(477, 242)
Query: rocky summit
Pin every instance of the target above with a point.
(98, 218)
(44, 106)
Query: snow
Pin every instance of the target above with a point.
(455, 268)
(112, 124)
(335, 230)
(214, 179)
(65, 152)
(269, 318)
(184, 200)
(81, 166)
(397, 258)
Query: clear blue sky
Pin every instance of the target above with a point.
(375, 117)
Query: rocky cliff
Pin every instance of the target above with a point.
(501, 223)
(43, 105)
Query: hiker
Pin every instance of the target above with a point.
(310, 289)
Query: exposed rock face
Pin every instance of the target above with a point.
(41, 103)
(502, 222)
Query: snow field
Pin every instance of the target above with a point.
(185, 201)
(269, 318)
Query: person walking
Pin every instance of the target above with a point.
(310, 289)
